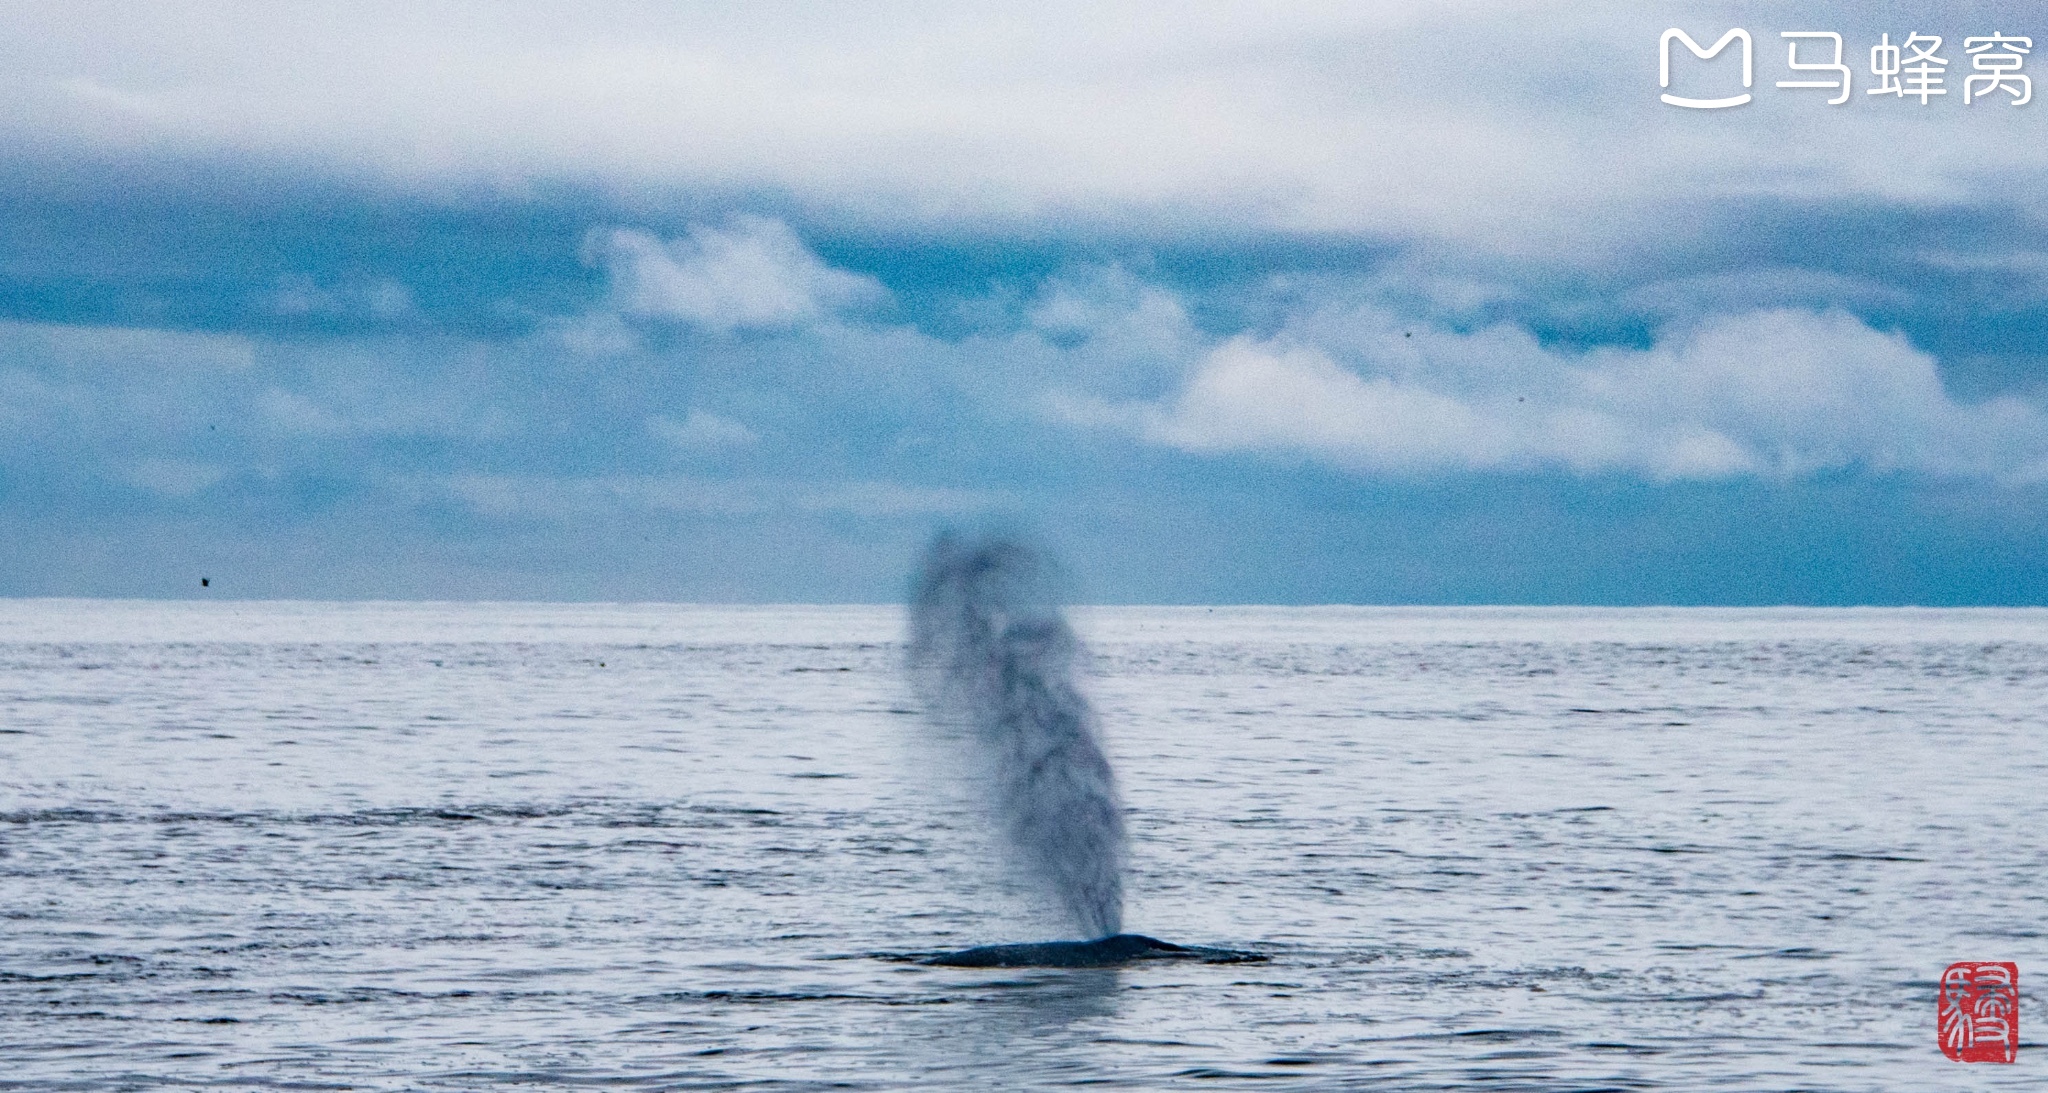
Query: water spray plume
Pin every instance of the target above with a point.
(992, 652)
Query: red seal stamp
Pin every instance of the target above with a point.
(1978, 1016)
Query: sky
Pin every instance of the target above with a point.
(1224, 303)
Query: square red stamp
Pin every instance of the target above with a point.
(1978, 1015)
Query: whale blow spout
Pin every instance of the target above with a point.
(993, 654)
(1101, 953)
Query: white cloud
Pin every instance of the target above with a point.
(1777, 393)
(295, 413)
(702, 431)
(1250, 396)
(388, 299)
(549, 498)
(1110, 304)
(591, 334)
(87, 351)
(753, 274)
(1534, 125)
(103, 391)
(299, 296)
(1768, 393)
(174, 478)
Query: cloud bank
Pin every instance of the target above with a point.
(723, 384)
(1400, 118)
(753, 274)
(1344, 378)
(1776, 393)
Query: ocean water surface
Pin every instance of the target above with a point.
(455, 846)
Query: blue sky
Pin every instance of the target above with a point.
(1415, 303)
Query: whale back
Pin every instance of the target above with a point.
(1111, 951)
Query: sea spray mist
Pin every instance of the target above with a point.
(991, 651)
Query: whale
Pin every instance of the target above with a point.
(1103, 952)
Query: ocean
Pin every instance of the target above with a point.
(421, 846)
